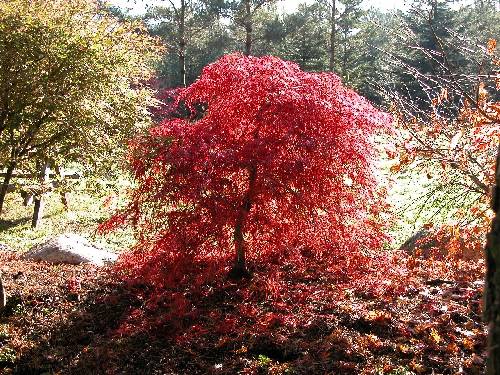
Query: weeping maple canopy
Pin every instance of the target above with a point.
(273, 161)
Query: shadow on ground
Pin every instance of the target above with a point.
(9, 224)
(225, 333)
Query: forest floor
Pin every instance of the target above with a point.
(64, 319)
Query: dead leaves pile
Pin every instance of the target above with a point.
(65, 319)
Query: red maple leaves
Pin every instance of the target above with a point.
(274, 162)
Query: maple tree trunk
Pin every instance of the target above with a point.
(5, 185)
(239, 263)
(239, 269)
(492, 284)
(248, 28)
(332, 37)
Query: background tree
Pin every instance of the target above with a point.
(181, 24)
(342, 16)
(70, 82)
(332, 6)
(305, 38)
(244, 14)
(269, 32)
(421, 44)
(449, 122)
(370, 67)
(363, 45)
(348, 23)
(480, 20)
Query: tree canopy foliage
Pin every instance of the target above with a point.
(340, 36)
(71, 81)
(273, 161)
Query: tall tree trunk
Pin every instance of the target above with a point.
(345, 73)
(248, 28)
(5, 185)
(182, 42)
(239, 269)
(333, 25)
(492, 284)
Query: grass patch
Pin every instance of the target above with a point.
(85, 212)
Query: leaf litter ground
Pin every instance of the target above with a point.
(66, 319)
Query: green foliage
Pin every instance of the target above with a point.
(4, 334)
(305, 38)
(7, 355)
(264, 360)
(430, 38)
(71, 81)
(90, 203)
(480, 20)
(349, 20)
(263, 24)
(194, 35)
(15, 306)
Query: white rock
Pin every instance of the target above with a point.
(71, 249)
(4, 247)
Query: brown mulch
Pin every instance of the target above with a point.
(64, 319)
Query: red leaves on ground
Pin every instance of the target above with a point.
(230, 328)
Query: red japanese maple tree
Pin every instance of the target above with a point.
(273, 162)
